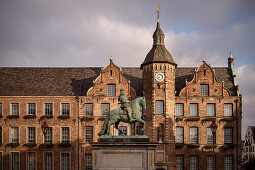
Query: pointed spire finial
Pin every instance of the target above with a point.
(231, 56)
(158, 11)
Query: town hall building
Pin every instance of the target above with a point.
(51, 116)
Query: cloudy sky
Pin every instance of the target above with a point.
(86, 33)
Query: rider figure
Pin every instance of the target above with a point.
(125, 104)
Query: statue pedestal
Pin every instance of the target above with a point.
(123, 153)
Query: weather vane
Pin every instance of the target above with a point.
(158, 10)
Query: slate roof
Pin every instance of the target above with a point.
(158, 52)
(21, 81)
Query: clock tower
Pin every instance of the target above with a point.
(159, 90)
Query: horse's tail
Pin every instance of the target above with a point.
(105, 126)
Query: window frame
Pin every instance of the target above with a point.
(207, 109)
(11, 137)
(121, 129)
(182, 109)
(228, 137)
(52, 109)
(196, 163)
(232, 162)
(11, 109)
(52, 138)
(158, 104)
(109, 89)
(88, 140)
(44, 168)
(61, 110)
(204, 93)
(29, 109)
(1, 108)
(103, 113)
(208, 140)
(88, 167)
(1, 159)
(27, 168)
(29, 134)
(1, 135)
(195, 137)
(10, 159)
(139, 130)
(225, 109)
(181, 163)
(85, 110)
(70, 166)
(69, 135)
(213, 162)
(182, 137)
(196, 109)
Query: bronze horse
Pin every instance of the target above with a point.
(116, 116)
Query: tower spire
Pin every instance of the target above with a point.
(158, 11)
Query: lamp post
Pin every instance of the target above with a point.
(213, 127)
(45, 128)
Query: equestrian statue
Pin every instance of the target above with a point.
(126, 113)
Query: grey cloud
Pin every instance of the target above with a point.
(87, 33)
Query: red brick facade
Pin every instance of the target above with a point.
(179, 85)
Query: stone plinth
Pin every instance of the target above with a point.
(123, 153)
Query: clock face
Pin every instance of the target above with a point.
(159, 77)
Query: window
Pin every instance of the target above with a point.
(1, 137)
(139, 130)
(105, 108)
(31, 135)
(179, 134)
(48, 160)
(194, 162)
(14, 108)
(204, 90)
(210, 162)
(48, 109)
(122, 131)
(14, 161)
(1, 160)
(88, 133)
(193, 135)
(14, 135)
(31, 109)
(1, 111)
(88, 162)
(65, 135)
(31, 161)
(210, 109)
(111, 90)
(228, 135)
(209, 136)
(65, 109)
(65, 161)
(48, 136)
(228, 162)
(228, 109)
(179, 109)
(193, 109)
(160, 106)
(179, 162)
(88, 109)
